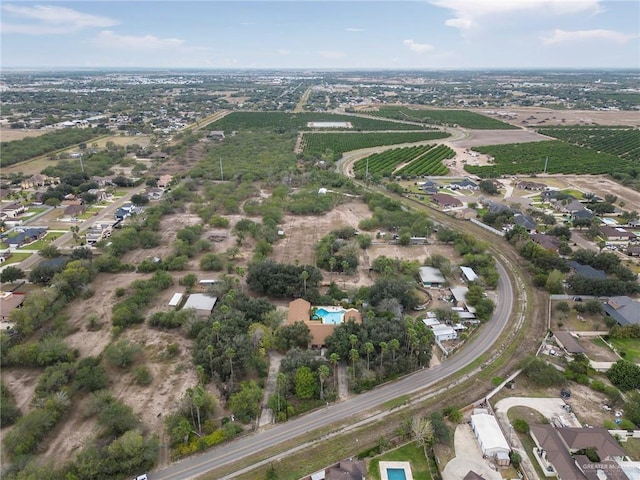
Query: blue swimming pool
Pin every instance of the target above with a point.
(396, 474)
(330, 317)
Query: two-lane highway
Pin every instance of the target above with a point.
(354, 407)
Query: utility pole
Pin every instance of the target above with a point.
(221, 171)
(546, 160)
(81, 164)
(366, 173)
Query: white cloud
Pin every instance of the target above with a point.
(49, 19)
(108, 38)
(284, 51)
(470, 13)
(564, 36)
(353, 29)
(418, 47)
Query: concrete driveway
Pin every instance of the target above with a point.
(468, 457)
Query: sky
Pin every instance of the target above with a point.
(308, 34)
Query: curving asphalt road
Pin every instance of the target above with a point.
(352, 408)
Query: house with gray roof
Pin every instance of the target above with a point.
(587, 271)
(431, 277)
(525, 221)
(623, 310)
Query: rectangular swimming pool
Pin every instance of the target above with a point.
(396, 474)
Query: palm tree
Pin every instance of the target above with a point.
(422, 430)
(354, 355)
(323, 374)
(230, 353)
(280, 381)
(394, 344)
(383, 348)
(353, 340)
(210, 352)
(334, 358)
(368, 348)
(305, 276)
(216, 327)
(332, 264)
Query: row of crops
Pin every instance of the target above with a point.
(560, 157)
(283, 121)
(429, 163)
(462, 118)
(621, 141)
(419, 160)
(334, 145)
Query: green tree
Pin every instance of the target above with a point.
(353, 356)
(11, 274)
(305, 383)
(49, 251)
(323, 374)
(624, 375)
(334, 359)
(368, 349)
(245, 404)
(554, 282)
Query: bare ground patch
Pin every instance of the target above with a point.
(498, 137)
(538, 117)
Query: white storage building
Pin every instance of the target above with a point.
(490, 437)
(201, 303)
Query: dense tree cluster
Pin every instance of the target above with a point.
(282, 280)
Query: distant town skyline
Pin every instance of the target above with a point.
(308, 34)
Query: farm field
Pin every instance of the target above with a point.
(530, 158)
(318, 144)
(462, 118)
(541, 116)
(620, 141)
(298, 121)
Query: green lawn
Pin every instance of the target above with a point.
(630, 347)
(16, 258)
(408, 453)
(46, 240)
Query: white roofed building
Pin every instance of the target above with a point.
(203, 304)
(431, 277)
(468, 274)
(490, 437)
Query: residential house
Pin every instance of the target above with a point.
(431, 277)
(38, 199)
(75, 210)
(617, 233)
(587, 271)
(445, 201)
(623, 310)
(9, 302)
(443, 333)
(159, 155)
(104, 181)
(430, 187)
(567, 341)
(633, 251)
(464, 184)
(320, 327)
(25, 236)
(525, 221)
(347, 470)
(154, 193)
(584, 214)
(100, 194)
(11, 210)
(549, 242)
(570, 206)
(38, 180)
(527, 185)
(497, 208)
(164, 181)
(98, 232)
(556, 450)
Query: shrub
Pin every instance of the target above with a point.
(143, 375)
(520, 425)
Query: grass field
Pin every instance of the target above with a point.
(630, 347)
(409, 453)
(46, 240)
(16, 258)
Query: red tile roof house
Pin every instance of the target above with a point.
(300, 311)
(445, 201)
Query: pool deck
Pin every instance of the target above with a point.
(406, 466)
